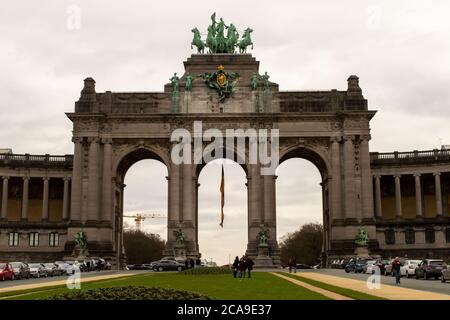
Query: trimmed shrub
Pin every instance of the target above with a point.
(129, 293)
(206, 270)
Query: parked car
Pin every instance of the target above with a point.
(139, 266)
(388, 267)
(21, 270)
(356, 266)
(409, 267)
(72, 266)
(429, 268)
(62, 266)
(37, 270)
(445, 275)
(51, 269)
(302, 266)
(6, 271)
(371, 266)
(382, 265)
(165, 265)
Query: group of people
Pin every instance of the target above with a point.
(190, 263)
(241, 266)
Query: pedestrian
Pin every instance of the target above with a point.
(241, 267)
(235, 266)
(198, 262)
(250, 264)
(396, 268)
(294, 264)
(191, 261)
(186, 264)
(290, 265)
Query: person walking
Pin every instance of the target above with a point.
(396, 268)
(294, 264)
(235, 266)
(192, 263)
(250, 264)
(290, 265)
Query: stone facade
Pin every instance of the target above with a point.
(112, 131)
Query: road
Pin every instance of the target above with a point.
(84, 275)
(411, 283)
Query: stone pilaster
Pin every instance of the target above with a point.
(366, 179)
(45, 199)
(349, 177)
(25, 191)
(188, 194)
(66, 198)
(107, 190)
(255, 183)
(378, 207)
(418, 195)
(398, 196)
(76, 192)
(336, 183)
(438, 192)
(93, 180)
(5, 198)
(269, 198)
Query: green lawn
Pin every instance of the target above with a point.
(343, 291)
(262, 286)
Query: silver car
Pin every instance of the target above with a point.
(37, 270)
(445, 273)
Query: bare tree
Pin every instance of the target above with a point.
(142, 247)
(305, 244)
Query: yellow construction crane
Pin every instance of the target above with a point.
(140, 217)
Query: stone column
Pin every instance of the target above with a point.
(438, 192)
(93, 180)
(349, 179)
(107, 193)
(45, 199)
(269, 198)
(418, 195)
(398, 196)
(26, 183)
(5, 198)
(66, 198)
(76, 192)
(174, 193)
(378, 208)
(187, 193)
(256, 213)
(336, 186)
(366, 179)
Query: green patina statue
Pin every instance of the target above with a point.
(81, 239)
(217, 42)
(189, 80)
(265, 78)
(221, 81)
(263, 235)
(197, 41)
(362, 238)
(175, 80)
(254, 81)
(180, 237)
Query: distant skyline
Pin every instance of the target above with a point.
(399, 50)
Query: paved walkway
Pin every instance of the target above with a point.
(64, 282)
(385, 291)
(326, 293)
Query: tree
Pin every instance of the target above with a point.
(142, 247)
(305, 244)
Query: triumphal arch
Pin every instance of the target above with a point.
(222, 88)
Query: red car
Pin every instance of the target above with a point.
(6, 271)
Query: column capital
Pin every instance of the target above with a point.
(365, 137)
(93, 139)
(348, 138)
(335, 139)
(417, 175)
(67, 178)
(107, 140)
(397, 176)
(26, 178)
(77, 139)
(46, 178)
(436, 174)
(5, 177)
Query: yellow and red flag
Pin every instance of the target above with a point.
(222, 198)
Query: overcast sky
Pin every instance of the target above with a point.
(399, 49)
